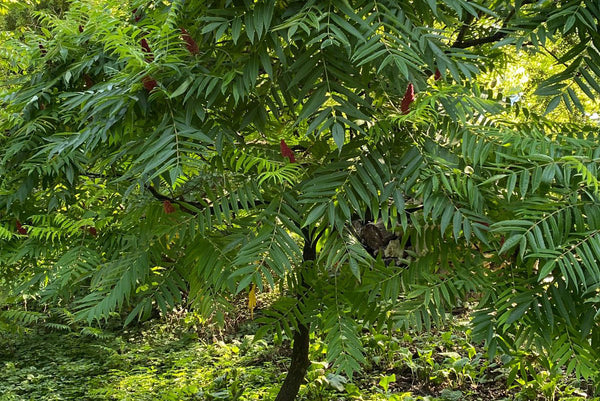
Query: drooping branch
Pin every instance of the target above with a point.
(500, 34)
(163, 198)
(182, 204)
(554, 56)
(481, 41)
(464, 29)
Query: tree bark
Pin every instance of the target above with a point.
(298, 365)
(299, 362)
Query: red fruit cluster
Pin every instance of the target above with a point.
(20, 229)
(286, 151)
(409, 97)
(90, 229)
(168, 207)
(87, 80)
(190, 43)
(437, 75)
(149, 83)
(147, 50)
(136, 16)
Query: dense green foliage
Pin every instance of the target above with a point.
(167, 152)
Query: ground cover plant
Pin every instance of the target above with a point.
(372, 165)
(171, 360)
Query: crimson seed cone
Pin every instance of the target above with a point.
(286, 151)
(168, 207)
(88, 81)
(149, 83)
(409, 97)
(136, 16)
(20, 229)
(190, 43)
(147, 50)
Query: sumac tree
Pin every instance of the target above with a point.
(348, 154)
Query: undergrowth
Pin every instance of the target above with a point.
(170, 360)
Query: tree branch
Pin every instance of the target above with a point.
(196, 205)
(464, 29)
(554, 56)
(501, 33)
(163, 198)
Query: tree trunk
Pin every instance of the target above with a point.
(298, 366)
(300, 362)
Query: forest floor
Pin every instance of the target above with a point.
(174, 359)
